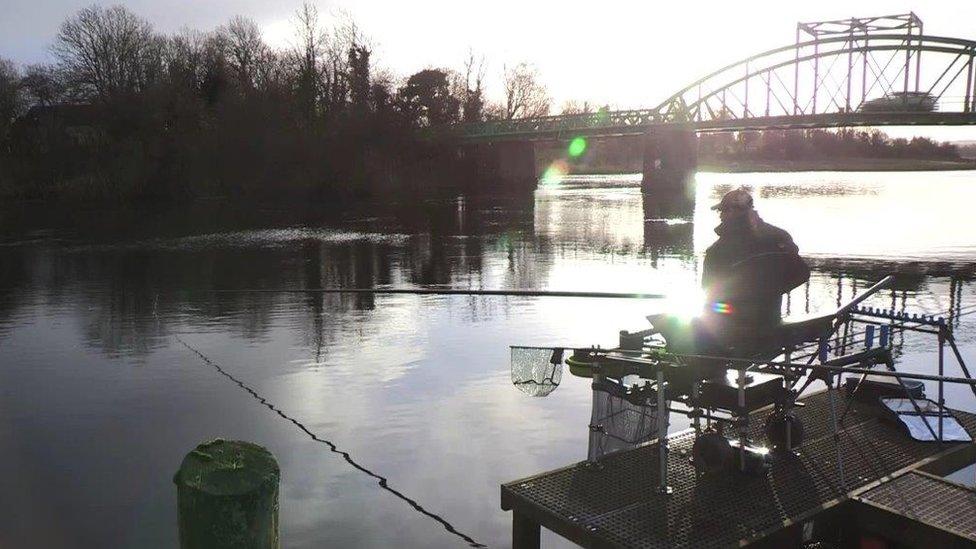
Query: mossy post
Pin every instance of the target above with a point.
(227, 496)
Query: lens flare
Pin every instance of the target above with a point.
(577, 147)
(721, 308)
(555, 173)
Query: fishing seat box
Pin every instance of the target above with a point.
(722, 391)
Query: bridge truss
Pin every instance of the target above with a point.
(876, 71)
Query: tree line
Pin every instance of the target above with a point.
(127, 112)
(819, 144)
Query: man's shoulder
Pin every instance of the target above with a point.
(721, 245)
(776, 238)
(769, 228)
(772, 232)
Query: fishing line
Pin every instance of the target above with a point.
(381, 480)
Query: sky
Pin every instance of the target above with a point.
(622, 53)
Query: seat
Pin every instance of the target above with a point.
(795, 331)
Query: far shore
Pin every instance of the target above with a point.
(836, 165)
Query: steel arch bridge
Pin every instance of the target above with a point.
(877, 71)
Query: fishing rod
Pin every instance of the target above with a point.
(452, 291)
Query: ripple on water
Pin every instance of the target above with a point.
(262, 238)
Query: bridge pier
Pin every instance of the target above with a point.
(670, 160)
(502, 165)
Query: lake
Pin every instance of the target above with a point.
(126, 337)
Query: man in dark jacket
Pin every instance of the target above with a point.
(745, 274)
(749, 268)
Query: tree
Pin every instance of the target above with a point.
(473, 102)
(105, 52)
(575, 107)
(11, 98)
(215, 77)
(427, 100)
(242, 38)
(185, 59)
(525, 96)
(42, 85)
(309, 56)
(359, 79)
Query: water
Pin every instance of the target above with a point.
(100, 400)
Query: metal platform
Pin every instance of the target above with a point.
(919, 509)
(616, 502)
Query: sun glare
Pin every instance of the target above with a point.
(685, 302)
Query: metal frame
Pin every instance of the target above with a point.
(813, 363)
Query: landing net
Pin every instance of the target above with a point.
(537, 371)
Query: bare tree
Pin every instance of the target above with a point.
(309, 56)
(11, 98)
(525, 96)
(108, 51)
(575, 107)
(473, 102)
(271, 74)
(347, 44)
(245, 48)
(43, 85)
(185, 58)
(215, 77)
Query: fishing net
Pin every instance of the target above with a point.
(536, 371)
(622, 418)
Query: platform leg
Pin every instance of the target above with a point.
(742, 419)
(595, 447)
(525, 532)
(834, 428)
(662, 434)
(941, 383)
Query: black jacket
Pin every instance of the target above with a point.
(749, 268)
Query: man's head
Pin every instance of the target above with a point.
(735, 204)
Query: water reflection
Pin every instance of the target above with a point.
(416, 388)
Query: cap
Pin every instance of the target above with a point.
(738, 199)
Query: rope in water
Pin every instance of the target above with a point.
(382, 481)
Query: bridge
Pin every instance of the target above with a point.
(842, 73)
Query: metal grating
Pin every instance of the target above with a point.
(928, 499)
(617, 502)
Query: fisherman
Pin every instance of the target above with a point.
(747, 271)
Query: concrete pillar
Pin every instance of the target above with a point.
(517, 169)
(502, 166)
(670, 159)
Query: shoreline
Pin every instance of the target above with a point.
(840, 165)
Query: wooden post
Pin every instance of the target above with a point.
(227, 496)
